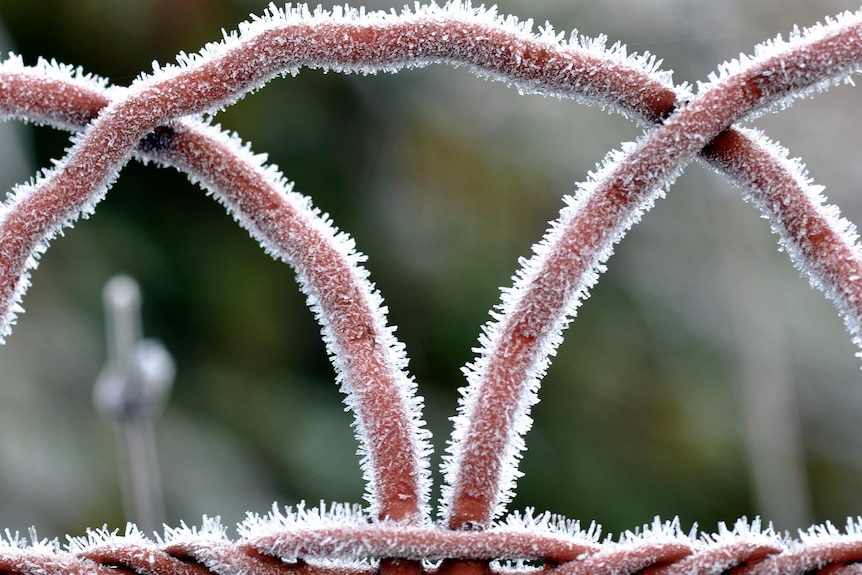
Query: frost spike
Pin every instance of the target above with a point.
(516, 346)
(280, 43)
(834, 52)
(369, 364)
(369, 361)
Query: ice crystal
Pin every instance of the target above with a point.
(525, 328)
(540, 304)
(811, 68)
(793, 206)
(96, 538)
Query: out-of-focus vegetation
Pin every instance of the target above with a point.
(444, 180)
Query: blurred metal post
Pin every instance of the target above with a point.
(131, 392)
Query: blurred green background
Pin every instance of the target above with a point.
(699, 340)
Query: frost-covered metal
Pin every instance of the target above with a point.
(157, 119)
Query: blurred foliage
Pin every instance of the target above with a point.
(444, 180)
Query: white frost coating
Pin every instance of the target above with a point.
(211, 529)
(277, 520)
(345, 532)
(798, 247)
(721, 551)
(52, 70)
(346, 537)
(274, 18)
(751, 531)
(658, 531)
(510, 297)
(208, 544)
(75, 77)
(336, 516)
(61, 218)
(10, 542)
(513, 301)
(818, 546)
(391, 348)
(548, 333)
(826, 532)
(410, 51)
(550, 523)
(395, 360)
(813, 80)
(103, 536)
